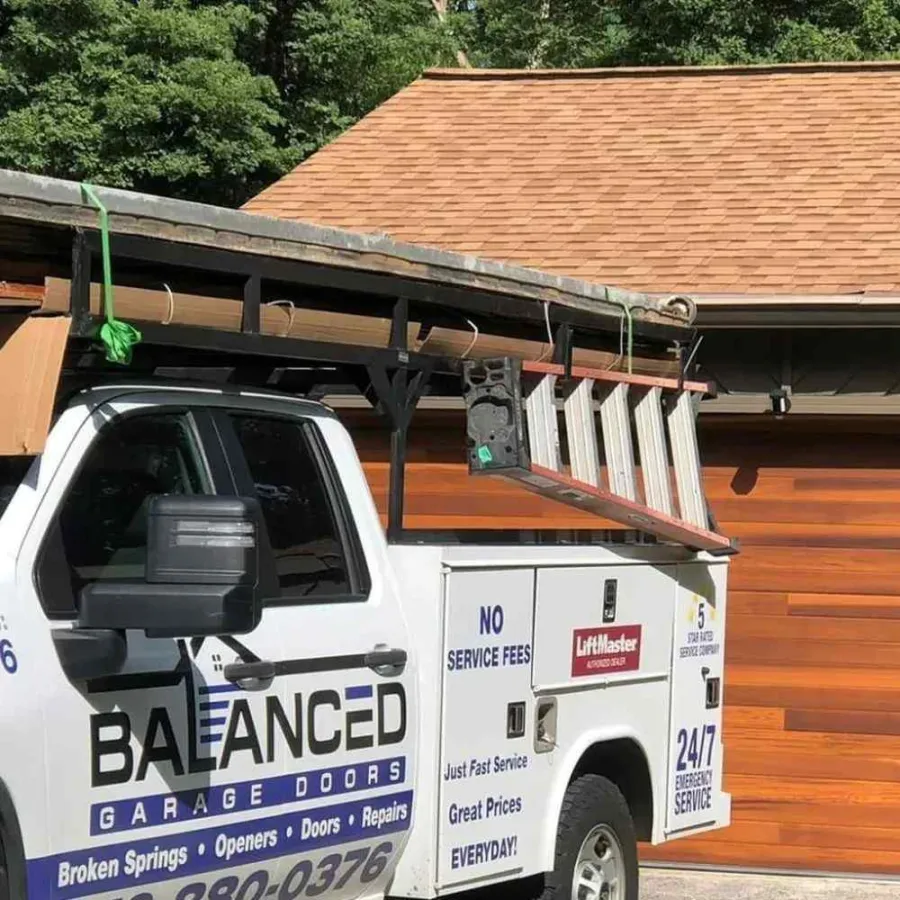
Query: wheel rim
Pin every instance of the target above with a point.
(599, 870)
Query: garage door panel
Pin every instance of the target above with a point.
(840, 606)
(844, 796)
(753, 509)
(787, 651)
(825, 571)
(753, 719)
(746, 603)
(803, 535)
(844, 721)
(763, 485)
(857, 630)
(813, 676)
(851, 860)
(798, 687)
(858, 746)
(815, 698)
(781, 759)
(835, 836)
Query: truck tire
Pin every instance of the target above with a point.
(596, 846)
(4, 874)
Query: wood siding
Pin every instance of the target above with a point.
(812, 696)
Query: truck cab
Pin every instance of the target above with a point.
(139, 753)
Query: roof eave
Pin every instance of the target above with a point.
(797, 311)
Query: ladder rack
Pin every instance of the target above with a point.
(513, 432)
(225, 294)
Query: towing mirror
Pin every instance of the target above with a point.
(201, 574)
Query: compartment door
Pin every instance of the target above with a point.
(694, 794)
(486, 827)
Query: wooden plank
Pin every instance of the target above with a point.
(776, 833)
(801, 534)
(854, 606)
(816, 801)
(819, 697)
(832, 513)
(479, 345)
(751, 603)
(724, 486)
(22, 296)
(843, 721)
(828, 570)
(809, 628)
(798, 676)
(790, 651)
(824, 484)
(826, 859)
(780, 759)
(753, 719)
(838, 743)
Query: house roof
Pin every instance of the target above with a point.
(753, 180)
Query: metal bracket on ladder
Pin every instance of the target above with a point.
(513, 432)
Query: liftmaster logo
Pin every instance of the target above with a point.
(600, 651)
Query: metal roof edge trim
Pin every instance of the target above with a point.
(504, 278)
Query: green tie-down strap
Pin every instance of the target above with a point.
(118, 337)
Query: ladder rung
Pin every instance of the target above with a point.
(581, 432)
(686, 460)
(616, 422)
(651, 434)
(543, 431)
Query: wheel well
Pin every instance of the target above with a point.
(12, 850)
(625, 765)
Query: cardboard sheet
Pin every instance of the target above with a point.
(31, 357)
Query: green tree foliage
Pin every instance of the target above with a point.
(565, 33)
(333, 61)
(212, 99)
(136, 94)
(209, 99)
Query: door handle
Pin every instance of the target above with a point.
(386, 659)
(259, 670)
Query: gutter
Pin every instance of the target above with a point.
(797, 311)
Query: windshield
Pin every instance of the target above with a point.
(12, 470)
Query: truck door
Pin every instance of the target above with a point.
(159, 779)
(345, 646)
(694, 797)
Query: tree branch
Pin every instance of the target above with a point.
(440, 7)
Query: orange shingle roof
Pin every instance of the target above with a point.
(756, 180)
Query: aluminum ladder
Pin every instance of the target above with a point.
(513, 432)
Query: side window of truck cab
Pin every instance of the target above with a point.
(314, 544)
(100, 531)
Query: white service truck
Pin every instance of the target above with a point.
(410, 719)
(221, 680)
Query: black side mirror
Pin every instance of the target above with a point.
(201, 577)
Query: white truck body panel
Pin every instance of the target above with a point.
(435, 785)
(502, 625)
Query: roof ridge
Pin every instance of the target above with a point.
(651, 71)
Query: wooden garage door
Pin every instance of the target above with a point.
(812, 697)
